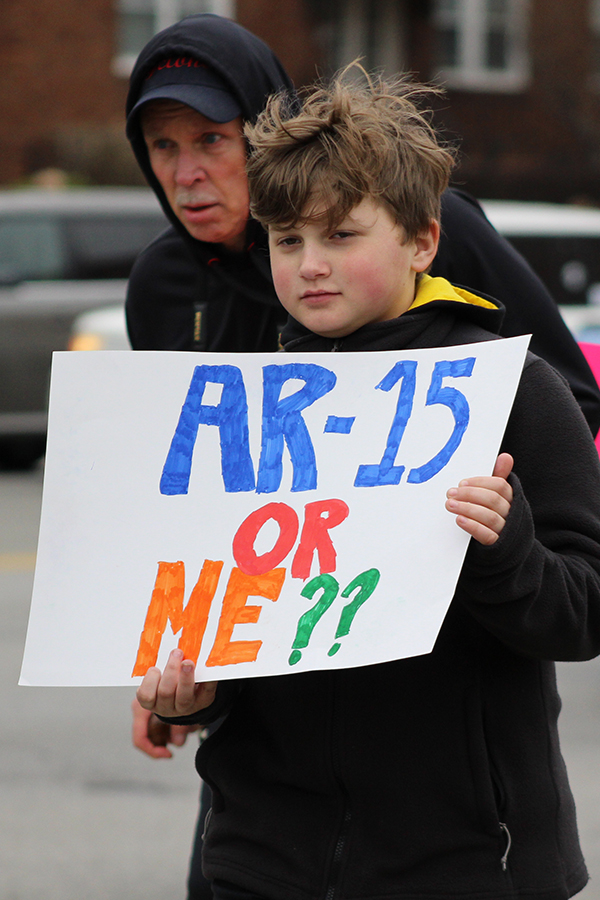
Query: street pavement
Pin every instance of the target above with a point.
(84, 816)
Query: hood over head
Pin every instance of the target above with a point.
(240, 62)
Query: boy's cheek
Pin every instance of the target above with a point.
(282, 283)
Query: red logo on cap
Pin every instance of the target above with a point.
(181, 62)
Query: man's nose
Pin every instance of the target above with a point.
(189, 169)
(314, 263)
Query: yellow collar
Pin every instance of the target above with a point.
(431, 289)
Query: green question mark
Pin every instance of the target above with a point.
(367, 582)
(307, 622)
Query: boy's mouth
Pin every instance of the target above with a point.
(316, 294)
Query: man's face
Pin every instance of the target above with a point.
(335, 280)
(201, 166)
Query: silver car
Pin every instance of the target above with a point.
(61, 253)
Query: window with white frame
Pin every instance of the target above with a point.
(374, 30)
(481, 45)
(139, 20)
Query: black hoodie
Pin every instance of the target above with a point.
(437, 777)
(185, 294)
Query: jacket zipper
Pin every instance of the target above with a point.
(337, 856)
(342, 836)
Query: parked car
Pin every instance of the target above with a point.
(562, 244)
(61, 253)
(100, 329)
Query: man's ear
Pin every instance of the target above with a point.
(426, 245)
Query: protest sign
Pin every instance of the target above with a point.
(267, 513)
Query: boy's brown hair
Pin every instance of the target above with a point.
(345, 142)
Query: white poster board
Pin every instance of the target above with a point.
(279, 512)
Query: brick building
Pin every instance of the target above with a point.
(522, 77)
(65, 67)
(522, 80)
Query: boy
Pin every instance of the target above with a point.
(455, 787)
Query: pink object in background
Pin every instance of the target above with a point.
(592, 354)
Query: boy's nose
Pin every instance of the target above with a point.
(314, 263)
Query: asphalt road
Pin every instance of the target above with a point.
(83, 816)
(86, 817)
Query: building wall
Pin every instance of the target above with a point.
(60, 104)
(55, 74)
(289, 28)
(542, 142)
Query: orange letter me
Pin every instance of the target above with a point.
(166, 603)
(235, 611)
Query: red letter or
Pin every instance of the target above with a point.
(315, 536)
(226, 652)
(243, 542)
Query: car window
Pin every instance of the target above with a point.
(106, 247)
(30, 248)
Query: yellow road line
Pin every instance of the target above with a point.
(17, 562)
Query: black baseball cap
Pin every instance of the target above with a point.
(187, 80)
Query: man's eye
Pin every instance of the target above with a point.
(162, 144)
(212, 138)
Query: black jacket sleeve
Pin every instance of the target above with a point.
(227, 692)
(473, 254)
(538, 587)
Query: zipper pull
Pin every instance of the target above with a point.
(199, 336)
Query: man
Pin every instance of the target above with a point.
(205, 284)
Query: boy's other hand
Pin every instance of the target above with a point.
(175, 692)
(481, 505)
(152, 736)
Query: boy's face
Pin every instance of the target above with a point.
(334, 281)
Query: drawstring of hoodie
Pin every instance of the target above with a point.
(504, 860)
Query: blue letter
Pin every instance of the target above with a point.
(455, 401)
(231, 418)
(386, 472)
(282, 418)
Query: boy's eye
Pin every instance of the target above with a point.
(342, 234)
(288, 241)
